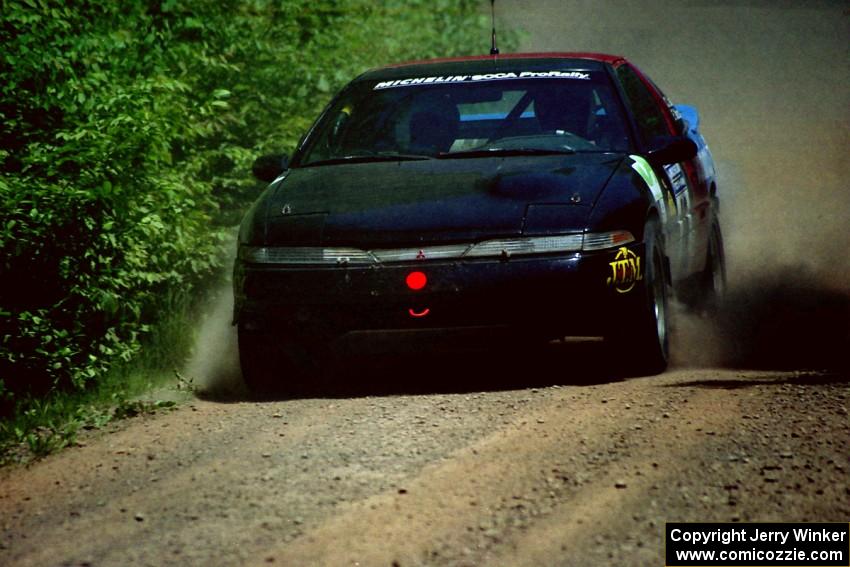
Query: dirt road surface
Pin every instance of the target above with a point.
(547, 457)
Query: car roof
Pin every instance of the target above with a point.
(495, 64)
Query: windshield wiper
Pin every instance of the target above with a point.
(366, 158)
(494, 152)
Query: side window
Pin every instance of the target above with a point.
(650, 120)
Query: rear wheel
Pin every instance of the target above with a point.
(643, 345)
(713, 280)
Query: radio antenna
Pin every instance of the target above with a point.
(493, 49)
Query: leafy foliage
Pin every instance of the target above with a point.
(127, 130)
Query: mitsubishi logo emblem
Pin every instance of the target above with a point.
(420, 255)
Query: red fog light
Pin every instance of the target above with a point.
(416, 280)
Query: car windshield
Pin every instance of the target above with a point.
(469, 116)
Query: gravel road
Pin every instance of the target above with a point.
(577, 472)
(543, 457)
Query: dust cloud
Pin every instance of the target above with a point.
(213, 367)
(769, 78)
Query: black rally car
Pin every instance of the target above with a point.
(532, 196)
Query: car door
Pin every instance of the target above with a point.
(685, 199)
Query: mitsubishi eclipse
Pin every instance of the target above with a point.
(525, 196)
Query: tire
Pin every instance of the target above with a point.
(256, 363)
(713, 278)
(274, 365)
(645, 343)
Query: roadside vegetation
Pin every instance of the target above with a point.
(127, 132)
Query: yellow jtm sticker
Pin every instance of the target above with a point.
(625, 270)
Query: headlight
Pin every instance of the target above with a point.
(305, 255)
(531, 245)
(504, 247)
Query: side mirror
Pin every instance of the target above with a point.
(267, 168)
(690, 116)
(665, 150)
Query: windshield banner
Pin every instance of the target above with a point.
(450, 79)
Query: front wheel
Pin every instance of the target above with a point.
(256, 359)
(643, 344)
(273, 364)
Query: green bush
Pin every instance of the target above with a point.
(127, 130)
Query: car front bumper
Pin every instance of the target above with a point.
(541, 297)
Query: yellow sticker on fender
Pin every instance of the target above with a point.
(625, 270)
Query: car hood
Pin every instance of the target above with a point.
(434, 201)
